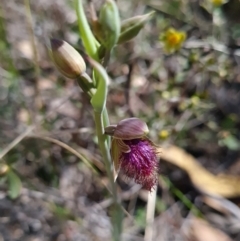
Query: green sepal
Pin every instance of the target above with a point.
(115, 154)
(117, 147)
(132, 26)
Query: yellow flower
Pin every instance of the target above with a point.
(172, 40)
(195, 100)
(217, 3)
(164, 134)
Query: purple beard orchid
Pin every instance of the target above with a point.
(133, 153)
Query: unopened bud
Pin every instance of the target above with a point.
(67, 60)
(128, 129)
(110, 23)
(3, 169)
(132, 26)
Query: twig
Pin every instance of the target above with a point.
(150, 215)
(31, 32)
(128, 86)
(35, 53)
(19, 138)
(16, 141)
(195, 44)
(65, 146)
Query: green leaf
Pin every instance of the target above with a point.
(231, 142)
(98, 100)
(90, 43)
(14, 184)
(132, 26)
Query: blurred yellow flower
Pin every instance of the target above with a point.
(217, 3)
(172, 39)
(195, 100)
(163, 134)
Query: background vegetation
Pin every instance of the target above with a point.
(189, 98)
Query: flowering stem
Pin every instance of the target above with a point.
(103, 145)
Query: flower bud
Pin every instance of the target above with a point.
(110, 23)
(132, 26)
(67, 60)
(130, 128)
(3, 169)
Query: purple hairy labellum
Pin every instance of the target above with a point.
(135, 155)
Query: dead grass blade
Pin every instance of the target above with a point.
(222, 184)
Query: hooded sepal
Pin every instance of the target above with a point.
(117, 147)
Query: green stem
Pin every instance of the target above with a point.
(106, 123)
(86, 84)
(103, 145)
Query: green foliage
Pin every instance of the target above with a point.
(90, 43)
(14, 184)
(62, 212)
(140, 217)
(231, 142)
(132, 26)
(184, 199)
